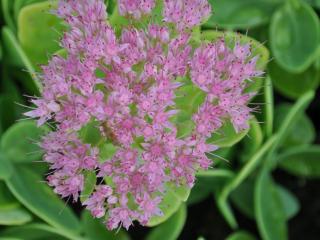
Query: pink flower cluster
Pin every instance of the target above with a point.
(126, 87)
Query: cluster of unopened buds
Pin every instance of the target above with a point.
(127, 88)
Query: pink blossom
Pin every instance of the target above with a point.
(128, 85)
(136, 8)
(186, 13)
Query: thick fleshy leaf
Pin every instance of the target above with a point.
(9, 99)
(14, 215)
(302, 133)
(6, 168)
(19, 4)
(314, 3)
(242, 198)
(227, 136)
(171, 202)
(17, 57)
(94, 229)
(189, 98)
(170, 229)
(6, 198)
(6, 117)
(301, 161)
(244, 14)
(20, 142)
(221, 157)
(90, 179)
(241, 235)
(7, 10)
(28, 188)
(269, 211)
(39, 38)
(289, 202)
(295, 36)
(294, 85)
(34, 231)
(90, 133)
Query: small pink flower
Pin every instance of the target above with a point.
(133, 104)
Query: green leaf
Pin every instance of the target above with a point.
(189, 98)
(90, 133)
(26, 186)
(6, 198)
(18, 4)
(293, 85)
(301, 161)
(43, 34)
(301, 133)
(242, 198)
(289, 202)
(314, 3)
(7, 118)
(20, 142)
(171, 202)
(94, 229)
(244, 14)
(14, 215)
(269, 212)
(6, 169)
(106, 151)
(89, 184)
(295, 36)
(241, 235)
(34, 231)
(227, 136)
(171, 229)
(7, 9)
(16, 56)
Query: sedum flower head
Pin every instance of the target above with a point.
(124, 88)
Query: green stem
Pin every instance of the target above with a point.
(269, 108)
(239, 178)
(288, 122)
(248, 168)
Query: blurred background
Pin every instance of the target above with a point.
(239, 201)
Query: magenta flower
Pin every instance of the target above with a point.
(125, 88)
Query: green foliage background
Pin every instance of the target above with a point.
(286, 36)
